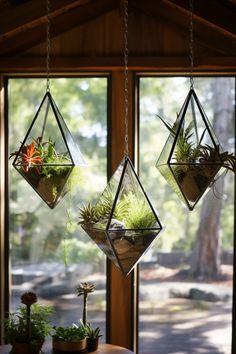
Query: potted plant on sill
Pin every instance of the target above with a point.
(194, 166)
(46, 170)
(69, 339)
(75, 338)
(27, 328)
(92, 334)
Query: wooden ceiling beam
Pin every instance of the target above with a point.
(31, 14)
(60, 23)
(170, 64)
(206, 33)
(218, 13)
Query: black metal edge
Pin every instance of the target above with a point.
(117, 191)
(207, 124)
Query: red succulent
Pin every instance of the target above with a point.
(30, 156)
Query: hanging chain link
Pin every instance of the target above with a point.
(191, 43)
(126, 83)
(48, 43)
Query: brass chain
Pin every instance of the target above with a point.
(48, 43)
(191, 43)
(126, 83)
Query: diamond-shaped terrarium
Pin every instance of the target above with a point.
(192, 156)
(48, 154)
(123, 223)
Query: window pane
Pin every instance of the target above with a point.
(50, 253)
(186, 278)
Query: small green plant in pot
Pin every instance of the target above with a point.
(92, 336)
(27, 328)
(74, 338)
(69, 339)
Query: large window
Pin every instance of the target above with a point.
(186, 278)
(49, 252)
(183, 304)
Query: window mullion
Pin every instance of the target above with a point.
(121, 321)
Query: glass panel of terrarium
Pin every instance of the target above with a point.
(72, 146)
(46, 128)
(164, 167)
(102, 212)
(50, 253)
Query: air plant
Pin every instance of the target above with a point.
(30, 156)
(186, 152)
(43, 156)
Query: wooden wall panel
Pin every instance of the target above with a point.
(154, 44)
(104, 37)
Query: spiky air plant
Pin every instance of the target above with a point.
(187, 152)
(88, 215)
(209, 154)
(83, 290)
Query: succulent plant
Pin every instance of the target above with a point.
(83, 290)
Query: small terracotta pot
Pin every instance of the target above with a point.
(92, 344)
(79, 346)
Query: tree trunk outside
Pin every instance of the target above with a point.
(206, 252)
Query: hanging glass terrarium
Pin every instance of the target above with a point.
(48, 154)
(123, 223)
(192, 156)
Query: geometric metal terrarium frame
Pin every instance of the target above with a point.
(48, 154)
(191, 157)
(123, 223)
